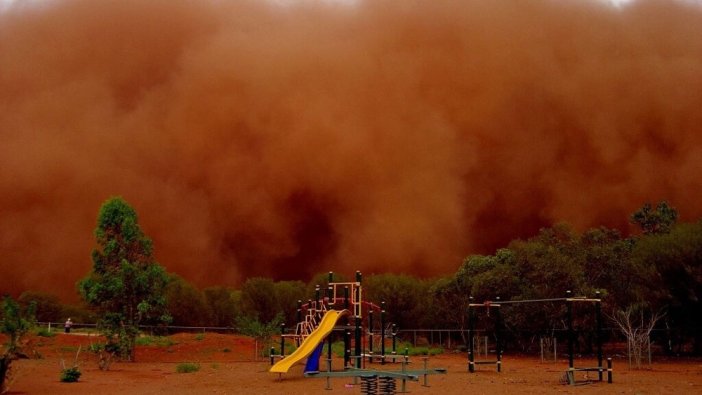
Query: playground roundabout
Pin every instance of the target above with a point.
(227, 366)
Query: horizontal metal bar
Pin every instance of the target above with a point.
(367, 373)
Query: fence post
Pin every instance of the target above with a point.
(282, 340)
(598, 318)
(382, 332)
(569, 319)
(471, 340)
(541, 347)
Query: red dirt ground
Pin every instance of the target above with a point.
(227, 367)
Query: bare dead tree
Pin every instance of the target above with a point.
(637, 331)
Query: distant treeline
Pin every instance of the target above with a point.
(658, 271)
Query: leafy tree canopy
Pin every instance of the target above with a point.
(655, 221)
(126, 285)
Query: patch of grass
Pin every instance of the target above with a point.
(144, 341)
(226, 350)
(429, 351)
(70, 375)
(68, 348)
(410, 349)
(160, 341)
(337, 349)
(290, 347)
(44, 332)
(88, 330)
(187, 367)
(200, 337)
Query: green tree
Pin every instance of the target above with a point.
(48, 306)
(449, 303)
(15, 324)
(222, 304)
(186, 304)
(261, 332)
(608, 265)
(675, 282)
(287, 295)
(259, 299)
(126, 285)
(486, 277)
(404, 296)
(660, 220)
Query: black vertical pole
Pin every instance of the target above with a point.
(471, 357)
(330, 293)
(498, 334)
(330, 289)
(609, 370)
(598, 319)
(316, 297)
(358, 342)
(282, 340)
(299, 311)
(357, 308)
(382, 333)
(347, 334)
(347, 347)
(394, 339)
(329, 347)
(346, 297)
(569, 320)
(370, 336)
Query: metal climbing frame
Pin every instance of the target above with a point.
(488, 306)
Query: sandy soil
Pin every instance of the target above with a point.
(227, 367)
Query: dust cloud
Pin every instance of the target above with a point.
(284, 139)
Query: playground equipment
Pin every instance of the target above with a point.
(488, 306)
(311, 342)
(385, 331)
(569, 301)
(333, 312)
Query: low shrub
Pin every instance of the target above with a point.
(429, 351)
(70, 375)
(187, 367)
(160, 341)
(44, 332)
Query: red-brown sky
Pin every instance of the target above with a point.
(381, 136)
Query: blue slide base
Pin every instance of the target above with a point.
(312, 364)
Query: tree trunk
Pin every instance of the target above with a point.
(5, 361)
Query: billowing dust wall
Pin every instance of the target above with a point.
(283, 139)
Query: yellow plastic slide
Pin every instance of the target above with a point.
(318, 335)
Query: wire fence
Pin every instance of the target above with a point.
(151, 329)
(447, 338)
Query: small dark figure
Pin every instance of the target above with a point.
(67, 326)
